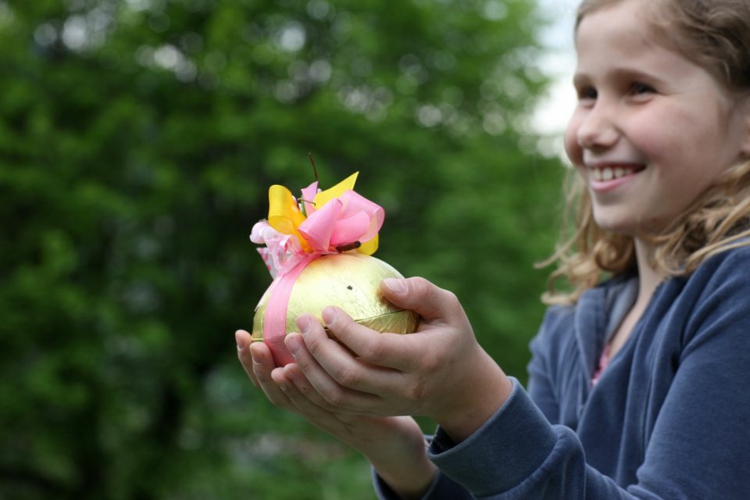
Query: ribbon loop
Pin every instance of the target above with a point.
(336, 218)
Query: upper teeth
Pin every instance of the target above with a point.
(607, 174)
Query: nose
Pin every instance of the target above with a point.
(597, 129)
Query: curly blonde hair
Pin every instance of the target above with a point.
(714, 34)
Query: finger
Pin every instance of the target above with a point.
(244, 341)
(384, 350)
(263, 366)
(313, 407)
(426, 299)
(337, 363)
(332, 392)
(303, 394)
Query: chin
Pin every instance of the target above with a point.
(616, 225)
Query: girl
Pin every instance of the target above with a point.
(637, 383)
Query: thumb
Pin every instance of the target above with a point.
(419, 295)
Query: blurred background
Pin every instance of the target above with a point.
(138, 139)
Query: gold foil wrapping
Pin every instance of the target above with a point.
(350, 281)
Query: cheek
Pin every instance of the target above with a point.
(668, 144)
(570, 138)
(672, 136)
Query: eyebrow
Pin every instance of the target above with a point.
(580, 78)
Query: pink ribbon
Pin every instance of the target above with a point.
(274, 320)
(342, 221)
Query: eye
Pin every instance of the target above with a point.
(638, 88)
(586, 93)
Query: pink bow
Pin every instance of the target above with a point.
(343, 221)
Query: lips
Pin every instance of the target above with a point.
(604, 173)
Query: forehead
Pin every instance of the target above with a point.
(619, 42)
(620, 35)
(626, 23)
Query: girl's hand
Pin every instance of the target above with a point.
(439, 371)
(394, 445)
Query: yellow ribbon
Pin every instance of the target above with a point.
(285, 216)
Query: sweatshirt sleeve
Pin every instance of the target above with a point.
(519, 455)
(698, 446)
(516, 454)
(470, 470)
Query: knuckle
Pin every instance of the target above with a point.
(419, 282)
(321, 402)
(348, 376)
(417, 390)
(304, 389)
(273, 395)
(450, 297)
(262, 378)
(374, 351)
(313, 346)
(433, 360)
(281, 403)
(334, 398)
(304, 360)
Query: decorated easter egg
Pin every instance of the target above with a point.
(318, 249)
(348, 280)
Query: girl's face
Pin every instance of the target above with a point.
(652, 130)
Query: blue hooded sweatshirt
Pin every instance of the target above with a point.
(668, 419)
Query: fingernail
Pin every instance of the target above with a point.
(292, 343)
(329, 315)
(397, 286)
(255, 357)
(240, 339)
(303, 323)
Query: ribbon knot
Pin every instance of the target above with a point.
(337, 219)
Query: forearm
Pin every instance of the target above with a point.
(397, 450)
(407, 470)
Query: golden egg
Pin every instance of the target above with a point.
(350, 281)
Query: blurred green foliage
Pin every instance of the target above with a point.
(138, 139)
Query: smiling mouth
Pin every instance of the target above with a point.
(612, 173)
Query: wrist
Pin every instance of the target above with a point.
(409, 475)
(411, 486)
(401, 461)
